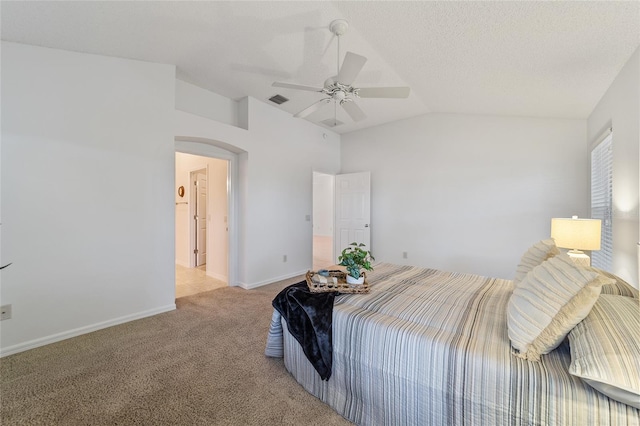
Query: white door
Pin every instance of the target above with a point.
(353, 210)
(199, 181)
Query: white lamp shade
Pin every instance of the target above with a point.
(579, 234)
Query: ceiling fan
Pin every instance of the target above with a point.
(339, 88)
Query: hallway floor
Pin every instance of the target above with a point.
(194, 280)
(322, 252)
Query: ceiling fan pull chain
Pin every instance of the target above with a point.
(338, 59)
(335, 104)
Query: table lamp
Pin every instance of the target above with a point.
(577, 234)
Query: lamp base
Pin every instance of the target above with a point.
(579, 258)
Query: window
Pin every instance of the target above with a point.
(601, 199)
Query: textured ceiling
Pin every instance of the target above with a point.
(542, 59)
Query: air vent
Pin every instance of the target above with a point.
(331, 122)
(278, 99)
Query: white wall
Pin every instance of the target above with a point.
(217, 244)
(323, 189)
(87, 192)
(620, 108)
(182, 237)
(281, 163)
(88, 170)
(468, 193)
(195, 100)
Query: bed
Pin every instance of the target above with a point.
(429, 347)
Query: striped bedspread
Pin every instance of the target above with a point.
(428, 347)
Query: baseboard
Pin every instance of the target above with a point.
(32, 344)
(270, 281)
(219, 277)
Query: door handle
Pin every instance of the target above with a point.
(366, 225)
(2, 267)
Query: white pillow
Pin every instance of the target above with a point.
(605, 349)
(535, 255)
(551, 299)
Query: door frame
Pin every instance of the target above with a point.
(205, 149)
(193, 231)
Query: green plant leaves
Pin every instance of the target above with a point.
(355, 258)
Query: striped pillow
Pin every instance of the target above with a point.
(552, 298)
(619, 287)
(535, 255)
(605, 350)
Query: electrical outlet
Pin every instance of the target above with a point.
(5, 312)
(404, 255)
(284, 258)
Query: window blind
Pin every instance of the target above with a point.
(601, 200)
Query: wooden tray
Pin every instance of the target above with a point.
(341, 286)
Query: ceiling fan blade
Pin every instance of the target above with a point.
(313, 108)
(297, 87)
(383, 92)
(354, 111)
(350, 68)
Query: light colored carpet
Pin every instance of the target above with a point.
(202, 364)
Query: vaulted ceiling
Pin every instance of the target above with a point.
(541, 59)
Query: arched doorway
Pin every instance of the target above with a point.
(219, 150)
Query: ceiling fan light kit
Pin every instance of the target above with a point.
(339, 87)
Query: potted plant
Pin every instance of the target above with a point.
(355, 258)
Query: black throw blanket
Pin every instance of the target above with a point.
(309, 317)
